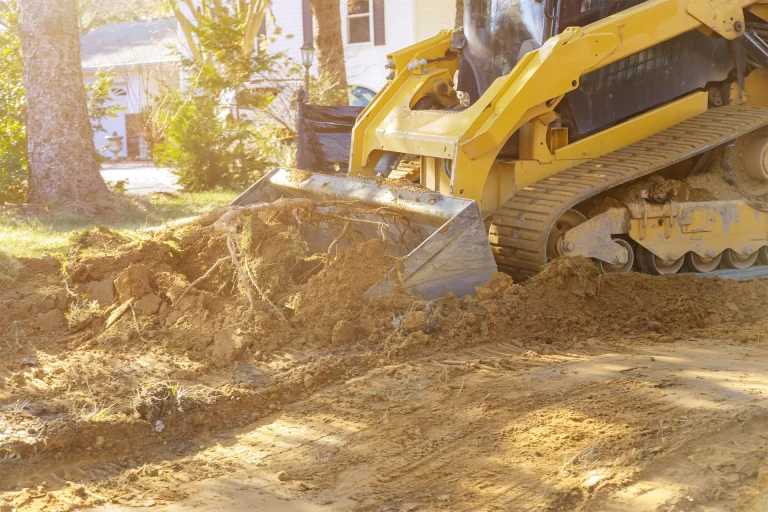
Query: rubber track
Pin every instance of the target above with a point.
(520, 228)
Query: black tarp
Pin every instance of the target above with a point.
(323, 138)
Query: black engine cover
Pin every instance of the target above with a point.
(647, 79)
(642, 81)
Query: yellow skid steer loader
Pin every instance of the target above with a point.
(539, 129)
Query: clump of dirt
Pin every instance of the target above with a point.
(101, 253)
(707, 186)
(714, 183)
(572, 273)
(336, 292)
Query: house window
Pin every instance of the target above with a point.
(358, 21)
(119, 91)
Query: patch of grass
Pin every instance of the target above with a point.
(9, 268)
(33, 236)
(81, 311)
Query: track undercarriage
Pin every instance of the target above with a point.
(656, 235)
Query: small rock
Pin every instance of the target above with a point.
(343, 332)
(733, 307)
(651, 358)
(228, 345)
(148, 305)
(28, 362)
(490, 306)
(654, 326)
(309, 380)
(283, 476)
(159, 426)
(414, 321)
(163, 311)
(497, 283)
(134, 282)
(102, 291)
(593, 478)
(50, 321)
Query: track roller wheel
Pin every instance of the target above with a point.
(699, 264)
(652, 264)
(568, 220)
(608, 268)
(732, 259)
(762, 256)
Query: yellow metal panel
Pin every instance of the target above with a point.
(533, 142)
(759, 10)
(726, 17)
(706, 228)
(635, 129)
(756, 86)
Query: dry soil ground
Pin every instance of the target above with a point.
(272, 385)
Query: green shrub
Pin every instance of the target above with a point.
(196, 145)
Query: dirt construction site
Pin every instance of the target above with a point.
(218, 364)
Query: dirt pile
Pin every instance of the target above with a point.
(217, 295)
(207, 325)
(570, 302)
(708, 186)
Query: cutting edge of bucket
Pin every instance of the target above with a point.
(455, 259)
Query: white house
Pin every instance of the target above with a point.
(142, 58)
(371, 29)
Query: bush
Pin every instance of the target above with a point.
(196, 145)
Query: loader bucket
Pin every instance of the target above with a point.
(442, 239)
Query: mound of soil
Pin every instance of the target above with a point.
(208, 324)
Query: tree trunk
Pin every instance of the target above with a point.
(63, 164)
(459, 14)
(328, 42)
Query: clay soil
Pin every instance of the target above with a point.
(134, 377)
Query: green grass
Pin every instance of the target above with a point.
(35, 236)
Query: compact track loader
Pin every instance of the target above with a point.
(535, 128)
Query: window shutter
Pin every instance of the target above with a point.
(379, 38)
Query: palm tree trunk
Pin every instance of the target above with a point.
(62, 158)
(328, 42)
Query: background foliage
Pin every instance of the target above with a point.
(236, 119)
(13, 140)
